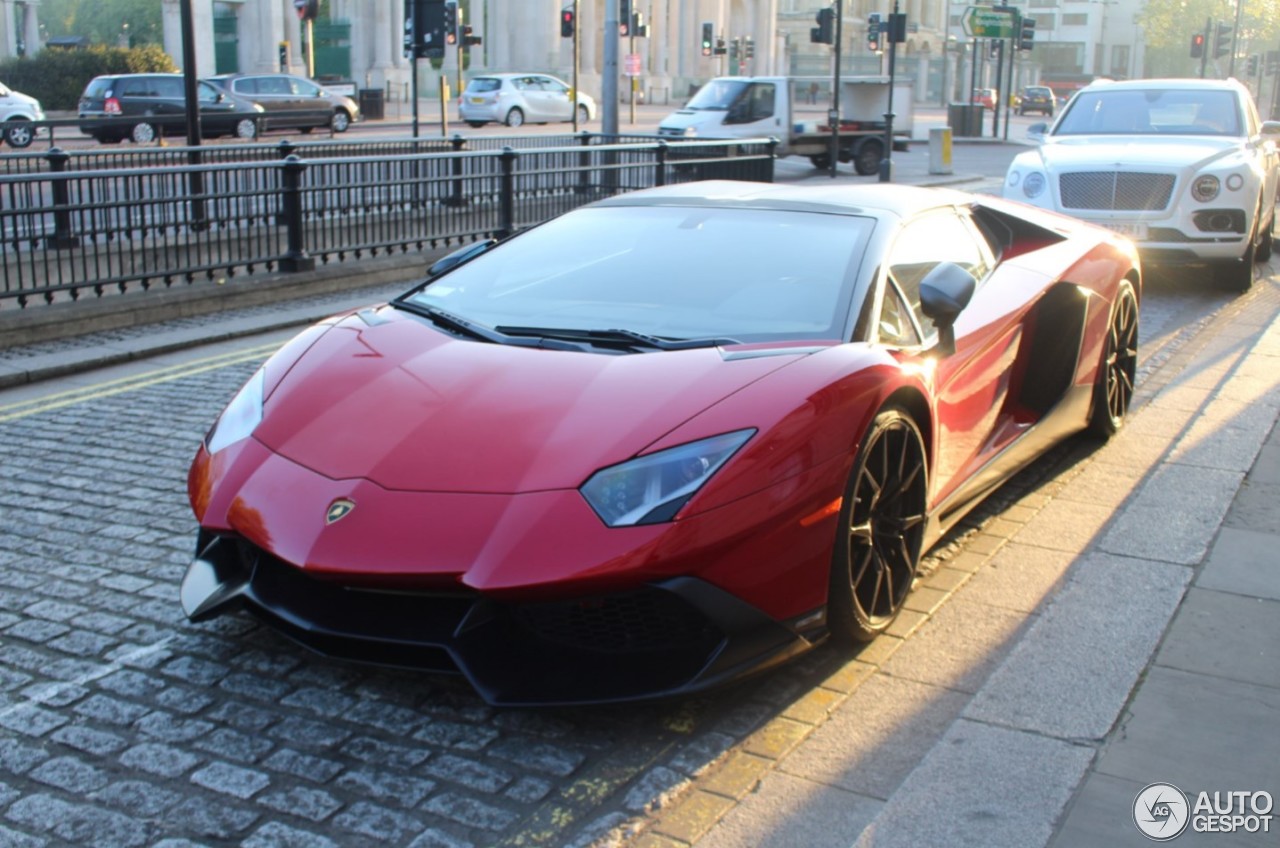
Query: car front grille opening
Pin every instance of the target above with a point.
(1115, 190)
(647, 619)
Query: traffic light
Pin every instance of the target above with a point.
(708, 37)
(733, 49)
(566, 23)
(1222, 39)
(1255, 62)
(994, 47)
(451, 23)
(825, 31)
(469, 40)
(1197, 45)
(750, 47)
(873, 32)
(638, 29)
(624, 17)
(1026, 33)
(720, 51)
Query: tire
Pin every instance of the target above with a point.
(305, 130)
(881, 531)
(247, 129)
(340, 122)
(821, 161)
(143, 133)
(476, 124)
(1267, 242)
(515, 118)
(1118, 371)
(584, 114)
(866, 160)
(19, 133)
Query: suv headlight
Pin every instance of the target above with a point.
(1205, 187)
(652, 488)
(1033, 185)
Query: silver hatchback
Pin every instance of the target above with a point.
(516, 98)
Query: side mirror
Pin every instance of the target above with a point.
(1038, 131)
(459, 257)
(944, 292)
(1271, 127)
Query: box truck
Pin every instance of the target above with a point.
(795, 110)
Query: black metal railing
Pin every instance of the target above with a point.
(68, 231)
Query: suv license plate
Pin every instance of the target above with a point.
(1133, 229)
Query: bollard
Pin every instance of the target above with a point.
(940, 150)
(296, 258)
(63, 238)
(507, 195)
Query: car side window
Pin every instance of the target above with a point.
(895, 327)
(206, 93)
(924, 243)
(135, 88)
(171, 88)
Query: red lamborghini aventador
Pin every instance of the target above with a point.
(662, 441)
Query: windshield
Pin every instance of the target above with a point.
(1152, 112)
(669, 272)
(482, 84)
(717, 94)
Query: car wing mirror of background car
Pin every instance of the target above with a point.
(944, 292)
(460, 256)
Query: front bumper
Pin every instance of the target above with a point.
(674, 636)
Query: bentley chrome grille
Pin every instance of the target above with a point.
(1115, 190)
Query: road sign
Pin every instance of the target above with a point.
(631, 65)
(982, 22)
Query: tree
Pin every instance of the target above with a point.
(1169, 24)
(111, 22)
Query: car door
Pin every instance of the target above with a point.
(971, 385)
(755, 111)
(274, 94)
(314, 108)
(558, 106)
(216, 110)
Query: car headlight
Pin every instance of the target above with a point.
(1014, 178)
(1205, 187)
(241, 416)
(1033, 185)
(651, 489)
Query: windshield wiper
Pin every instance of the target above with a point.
(462, 326)
(626, 338)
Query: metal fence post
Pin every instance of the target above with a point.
(63, 238)
(456, 197)
(296, 258)
(507, 197)
(773, 159)
(660, 168)
(286, 149)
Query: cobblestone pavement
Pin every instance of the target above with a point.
(125, 725)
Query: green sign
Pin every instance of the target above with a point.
(983, 22)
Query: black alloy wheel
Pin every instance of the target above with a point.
(882, 522)
(866, 161)
(1113, 390)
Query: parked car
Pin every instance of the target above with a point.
(292, 102)
(1184, 167)
(1036, 98)
(142, 107)
(516, 98)
(17, 112)
(745, 411)
(984, 97)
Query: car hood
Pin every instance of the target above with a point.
(18, 99)
(391, 399)
(1132, 153)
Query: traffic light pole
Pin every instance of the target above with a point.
(576, 62)
(1235, 33)
(1208, 40)
(886, 161)
(833, 114)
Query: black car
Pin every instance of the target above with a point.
(292, 102)
(1036, 98)
(143, 107)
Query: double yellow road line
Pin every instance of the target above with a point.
(71, 397)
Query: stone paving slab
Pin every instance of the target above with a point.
(1224, 635)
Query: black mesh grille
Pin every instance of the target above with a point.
(1113, 190)
(647, 619)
